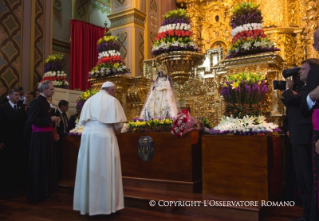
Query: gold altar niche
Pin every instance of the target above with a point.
(202, 90)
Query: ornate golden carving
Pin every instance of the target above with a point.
(178, 63)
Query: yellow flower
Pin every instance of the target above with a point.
(116, 65)
(235, 85)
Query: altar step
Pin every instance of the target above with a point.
(140, 198)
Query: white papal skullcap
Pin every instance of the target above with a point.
(108, 84)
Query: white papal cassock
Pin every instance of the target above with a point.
(98, 184)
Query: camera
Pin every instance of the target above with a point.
(291, 72)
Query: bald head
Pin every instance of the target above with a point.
(316, 40)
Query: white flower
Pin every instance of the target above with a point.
(246, 45)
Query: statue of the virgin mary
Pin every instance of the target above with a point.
(161, 102)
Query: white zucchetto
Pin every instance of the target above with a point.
(108, 84)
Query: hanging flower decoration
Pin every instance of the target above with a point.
(110, 61)
(53, 71)
(247, 31)
(174, 34)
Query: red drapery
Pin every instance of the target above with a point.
(84, 37)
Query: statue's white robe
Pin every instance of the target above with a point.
(98, 184)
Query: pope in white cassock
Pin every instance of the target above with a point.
(98, 184)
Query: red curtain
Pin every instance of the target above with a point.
(84, 37)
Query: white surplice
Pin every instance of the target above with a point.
(98, 185)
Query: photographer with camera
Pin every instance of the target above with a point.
(300, 133)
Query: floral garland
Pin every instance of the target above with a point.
(85, 96)
(248, 125)
(247, 33)
(110, 61)
(174, 34)
(53, 71)
(154, 125)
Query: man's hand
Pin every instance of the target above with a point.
(289, 83)
(317, 147)
(2, 146)
(314, 95)
(294, 92)
(55, 119)
(27, 95)
(288, 133)
(58, 138)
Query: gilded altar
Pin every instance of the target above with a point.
(288, 23)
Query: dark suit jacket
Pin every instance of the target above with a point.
(300, 127)
(312, 83)
(12, 125)
(60, 128)
(72, 121)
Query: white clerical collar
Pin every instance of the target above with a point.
(43, 95)
(60, 111)
(12, 104)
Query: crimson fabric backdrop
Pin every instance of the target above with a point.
(84, 37)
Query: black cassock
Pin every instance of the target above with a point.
(42, 180)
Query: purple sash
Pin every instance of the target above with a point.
(41, 129)
(315, 119)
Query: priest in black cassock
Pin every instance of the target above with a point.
(12, 157)
(42, 180)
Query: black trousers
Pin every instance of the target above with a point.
(304, 173)
(59, 155)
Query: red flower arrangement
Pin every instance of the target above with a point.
(173, 33)
(107, 60)
(184, 122)
(253, 34)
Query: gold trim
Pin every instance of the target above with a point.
(51, 29)
(104, 2)
(126, 13)
(32, 30)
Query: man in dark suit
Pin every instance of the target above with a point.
(63, 130)
(22, 98)
(12, 121)
(300, 136)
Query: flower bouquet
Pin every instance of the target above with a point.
(247, 31)
(174, 34)
(53, 71)
(243, 94)
(154, 125)
(184, 123)
(85, 96)
(110, 61)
